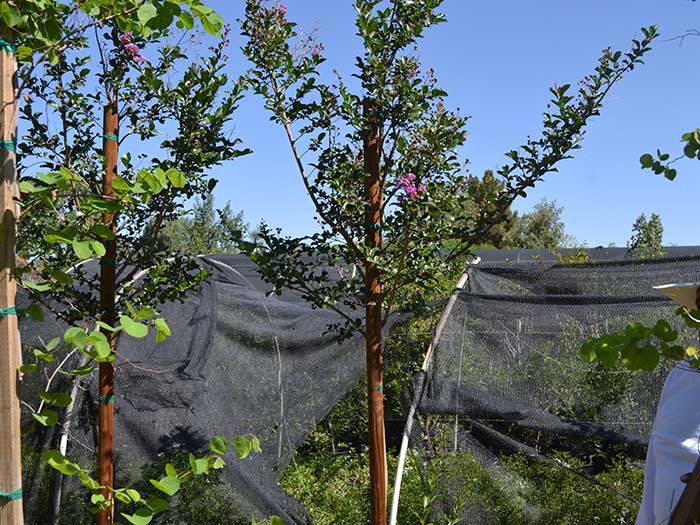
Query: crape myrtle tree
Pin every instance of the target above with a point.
(377, 157)
(96, 78)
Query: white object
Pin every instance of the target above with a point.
(684, 294)
(674, 445)
(414, 405)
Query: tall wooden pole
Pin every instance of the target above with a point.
(105, 398)
(373, 322)
(10, 358)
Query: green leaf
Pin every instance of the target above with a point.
(637, 331)
(242, 446)
(199, 466)
(133, 328)
(28, 368)
(100, 344)
(57, 399)
(98, 248)
(56, 460)
(644, 358)
(187, 20)
(82, 249)
(80, 371)
(663, 330)
(218, 445)
(168, 485)
(255, 445)
(103, 232)
(86, 480)
(36, 313)
(157, 504)
(170, 470)
(46, 417)
(145, 13)
(163, 330)
(39, 287)
(175, 177)
(143, 516)
(134, 495)
(646, 160)
(276, 520)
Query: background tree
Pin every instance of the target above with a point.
(378, 161)
(202, 230)
(647, 237)
(542, 228)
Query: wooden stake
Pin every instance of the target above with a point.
(105, 457)
(373, 324)
(11, 512)
(687, 512)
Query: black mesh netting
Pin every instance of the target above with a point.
(238, 362)
(507, 392)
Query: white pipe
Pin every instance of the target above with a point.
(412, 410)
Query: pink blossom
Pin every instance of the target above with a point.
(314, 52)
(282, 9)
(125, 38)
(139, 58)
(408, 185)
(133, 49)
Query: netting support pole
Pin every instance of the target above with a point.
(427, 361)
(11, 511)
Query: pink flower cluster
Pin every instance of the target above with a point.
(408, 184)
(126, 40)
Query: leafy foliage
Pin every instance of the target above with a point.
(541, 228)
(425, 196)
(647, 237)
(203, 230)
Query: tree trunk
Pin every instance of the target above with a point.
(11, 512)
(373, 323)
(105, 398)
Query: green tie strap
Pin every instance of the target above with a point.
(7, 46)
(106, 399)
(111, 136)
(9, 145)
(4, 312)
(12, 496)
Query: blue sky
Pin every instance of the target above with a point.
(496, 60)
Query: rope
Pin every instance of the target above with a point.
(9, 145)
(105, 399)
(12, 496)
(8, 47)
(4, 312)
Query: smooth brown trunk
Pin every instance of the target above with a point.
(11, 512)
(105, 414)
(373, 324)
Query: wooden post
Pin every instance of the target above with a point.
(105, 398)
(687, 512)
(11, 512)
(373, 322)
